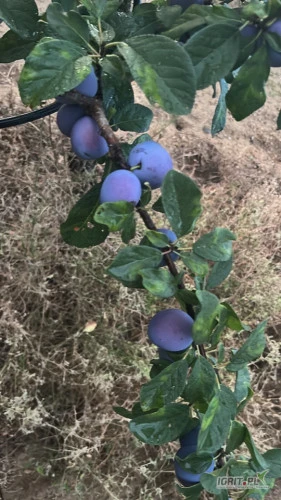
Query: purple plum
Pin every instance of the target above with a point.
(171, 330)
(191, 438)
(185, 477)
(154, 162)
(67, 115)
(249, 30)
(89, 86)
(121, 185)
(86, 140)
(273, 55)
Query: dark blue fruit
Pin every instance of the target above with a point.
(191, 438)
(121, 185)
(89, 86)
(86, 140)
(154, 162)
(171, 330)
(67, 115)
(185, 477)
(273, 55)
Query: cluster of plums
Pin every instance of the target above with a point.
(171, 331)
(148, 160)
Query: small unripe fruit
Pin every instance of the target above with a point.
(67, 116)
(171, 330)
(86, 140)
(121, 185)
(154, 162)
(89, 86)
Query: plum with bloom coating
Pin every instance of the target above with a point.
(67, 116)
(121, 185)
(154, 163)
(89, 86)
(86, 140)
(184, 476)
(171, 330)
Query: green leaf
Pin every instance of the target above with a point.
(204, 321)
(122, 412)
(133, 117)
(117, 91)
(217, 420)
(254, 9)
(236, 436)
(247, 93)
(202, 382)
(158, 205)
(219, 118)
(273, 460)
(66, 4)
(146, 18)
(129, 261)
(195, 263)
(162, 426)
(69, 26)
(242, 384)
(190, 492)
(21, 16)
(114, 215)
(213, 51)
(243, 403)
(257, 458)
(196, 463)
(250, 350)
(128, 231)
(230, 318)
(52, 68)
(80, 229)
(209, 481)
(13, 47)
(186, 297)
(192, 18)
(159, 282)
(157, 239)
(219, 273)
(216, 245)
(166, 387)
(168, 15)
(101, 8)
(181, 202)
(163, 70)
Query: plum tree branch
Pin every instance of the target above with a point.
(95, 108)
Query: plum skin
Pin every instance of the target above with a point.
(67, 116)
(249, 30)
(273, 55)
(172, 237)
(184, 4)
(86, 140)
(89, 86)
(185, 477)
(171, 330)
(191, 438)
(154, 162)
(121, 185)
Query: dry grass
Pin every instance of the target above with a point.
(58, 381)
